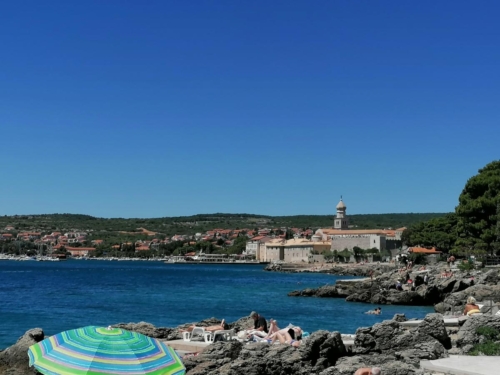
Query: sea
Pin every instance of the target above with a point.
(58, 296)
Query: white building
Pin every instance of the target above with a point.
(255, 245)
(343, 238)
(297, 250)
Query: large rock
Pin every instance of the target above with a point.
(320, 351)
(409, 346)
(387, 363)
(407, 297)
(150, 330)
(446, 294)
(14, 360)
(433, 325)
(468, 336)
(455, 302)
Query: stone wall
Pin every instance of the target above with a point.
(363, 242)
(297, 254)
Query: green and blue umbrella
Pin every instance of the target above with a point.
(97, 350)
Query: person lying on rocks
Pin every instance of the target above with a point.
(222, 326)
(284, 339)
(368, 371)
(294, 332)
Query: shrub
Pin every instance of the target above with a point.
(466, 266)
(487, 348)
(489, 332)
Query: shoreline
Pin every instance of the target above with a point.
(393, 345)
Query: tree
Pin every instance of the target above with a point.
(477, 210)
(439, 232)
(289, 234)
(238, 246)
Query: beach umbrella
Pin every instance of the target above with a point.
(98, 350)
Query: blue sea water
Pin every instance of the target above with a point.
(57, 296)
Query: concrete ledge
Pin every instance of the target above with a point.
(449, 322)
(187, 346)
(464, 365)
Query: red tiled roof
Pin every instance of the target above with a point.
(422, 250)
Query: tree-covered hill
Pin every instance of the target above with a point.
(203, 222)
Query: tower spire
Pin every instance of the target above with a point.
(341, 221)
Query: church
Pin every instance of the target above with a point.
(344, 238)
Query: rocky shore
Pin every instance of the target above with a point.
(447, 293)
(390, 345)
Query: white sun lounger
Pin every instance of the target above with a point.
(227, 335)
(197, 331)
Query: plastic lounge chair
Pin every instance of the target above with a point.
(227, 335)
(197, 331)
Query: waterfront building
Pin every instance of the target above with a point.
(342, 237)
(296, 250)
(256, 247)
(80, 251)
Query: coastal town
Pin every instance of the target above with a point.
(264, 245)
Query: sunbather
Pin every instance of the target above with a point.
(471, 306)
(284, 338)
(222, 326)
(294, 332)
(368, 371)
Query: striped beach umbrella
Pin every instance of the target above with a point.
(97, 350)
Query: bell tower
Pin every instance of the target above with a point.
(341, 220)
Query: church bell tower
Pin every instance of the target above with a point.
(341, 221)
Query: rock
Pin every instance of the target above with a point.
(433, 325)
(14, 360)
(467, 334)
(405, 298)
(150, 330)
(387, 345)
(243, 324)
(489, 278)
(387, 363)
(400, 318)
(322, 349)
(390, 338)
(378, 299)
(446, 294)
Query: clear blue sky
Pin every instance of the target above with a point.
(172, 108)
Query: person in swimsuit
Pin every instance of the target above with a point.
(368, 371)
(471, 305)
(285, 338)
(223, 326)
(295, 332)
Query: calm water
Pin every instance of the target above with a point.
(57, 296)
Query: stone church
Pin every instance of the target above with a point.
(344, 238)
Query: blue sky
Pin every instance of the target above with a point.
(172, 108)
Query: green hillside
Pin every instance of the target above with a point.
(203, 222)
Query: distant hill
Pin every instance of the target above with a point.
(203, 222)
